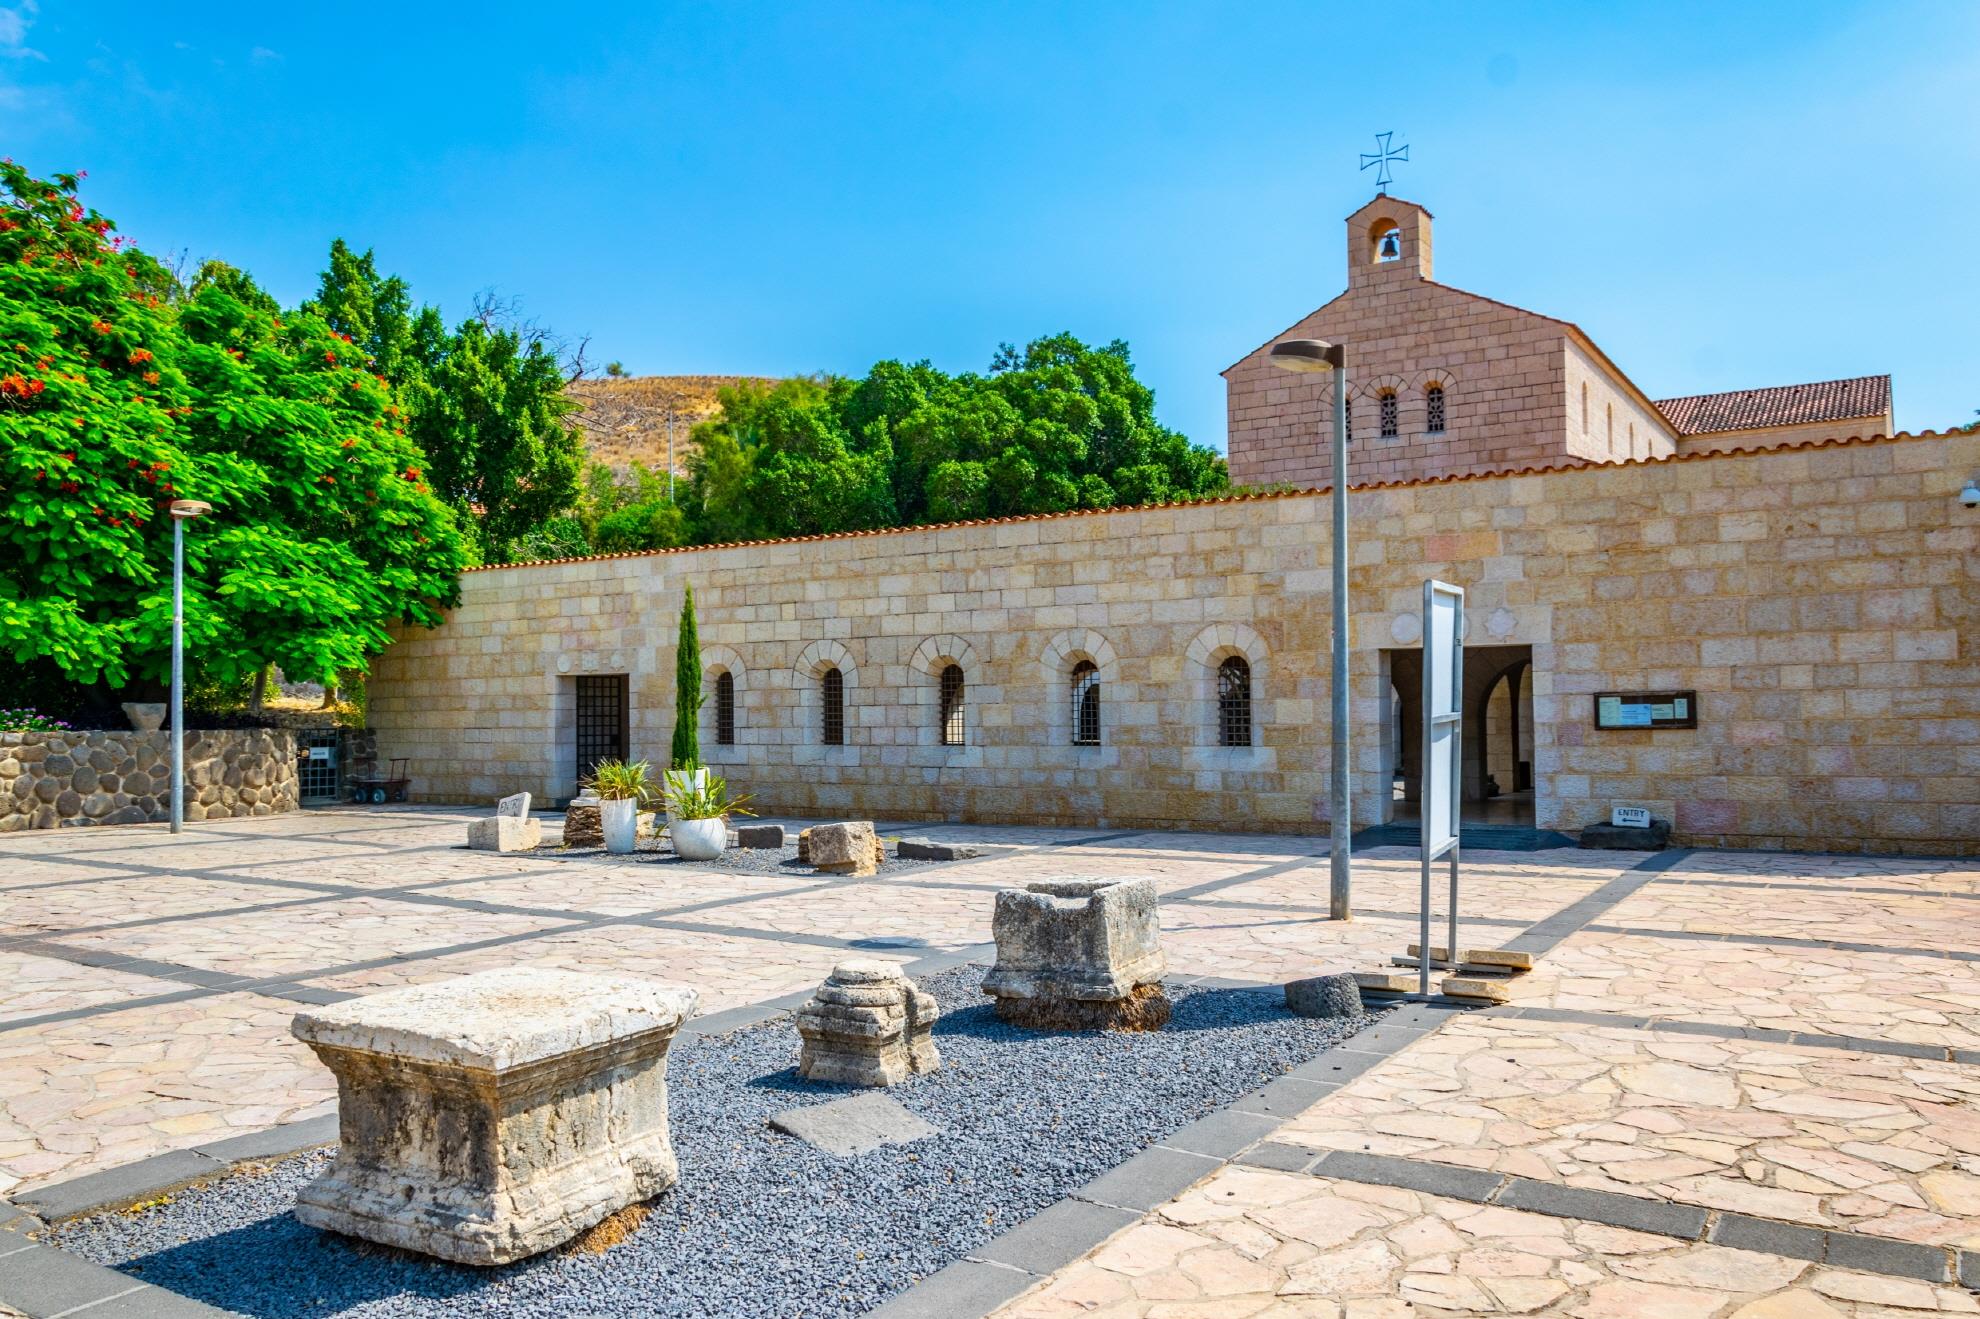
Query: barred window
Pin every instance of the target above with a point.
(1387, 415)
(1433, 408)
(832, 687)
(1234, 703)
(1086, 704)
(952, 706)
(725, 709)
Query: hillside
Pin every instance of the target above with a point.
(626, 419)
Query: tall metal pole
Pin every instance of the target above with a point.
(1340, 899)
(178, 673)
(670, 455)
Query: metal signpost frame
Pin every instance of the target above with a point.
(1442, 765)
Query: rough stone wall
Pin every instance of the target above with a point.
(1823, 603)
(59, 779)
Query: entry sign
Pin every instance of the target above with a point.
(1630, 817)
(1443, 760)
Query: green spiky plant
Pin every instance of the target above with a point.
(686, 754)
(615, 780)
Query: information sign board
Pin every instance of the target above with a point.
(1646, 709)
(1443, 754)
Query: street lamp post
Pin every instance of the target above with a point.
(183, 511)
(1320, 357)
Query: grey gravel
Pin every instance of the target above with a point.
(761, 1223)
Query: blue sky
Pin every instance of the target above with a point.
(1721, 195)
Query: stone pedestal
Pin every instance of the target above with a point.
(582, 826)
(489, 1117)
(1079, 954)
(867, 1025)
(504, 833)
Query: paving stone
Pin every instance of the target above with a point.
(1284, 1097)
(1221, 1134)
(1279, 1157)
(274, 1142)
(1410, 1174)
(1056, 1236)
(922, 849)
(1672, 1220)
(114, 1188)
(1740, 1232)
(853, 1126)
(967, 1289)
(1851, 1250)
(43, 1281)
(1149, 1178)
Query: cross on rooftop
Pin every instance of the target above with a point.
(1381, 157)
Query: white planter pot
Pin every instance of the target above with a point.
(672, 780)
(619, 818)
(700, 840)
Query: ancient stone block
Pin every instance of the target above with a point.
(854, 1126)
(486, 1118)
(921, 849)
(867, 1025)
(1079, 954)
(582, 827)
(1325, 996)
(851, 848)
(769, 836)
(504, 833)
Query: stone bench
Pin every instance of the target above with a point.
(486, 1118)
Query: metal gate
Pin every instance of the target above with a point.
(320, 771)
(602, 707)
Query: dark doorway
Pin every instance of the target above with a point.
(603, 706)
(1498, 733)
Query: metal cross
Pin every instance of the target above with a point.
(1382, 156)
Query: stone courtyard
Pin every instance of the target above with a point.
(1735, 1083)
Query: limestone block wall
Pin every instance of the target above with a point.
(1606, 420)
(78, 778)
(1822, 602)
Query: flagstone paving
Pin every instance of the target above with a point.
(152, 979)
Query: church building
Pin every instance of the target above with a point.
(1753, 614)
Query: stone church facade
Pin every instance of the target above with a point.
(1816, 597)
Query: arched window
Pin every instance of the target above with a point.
(1086, 704)
(1386, 240)
(832, 687)
(725, 709)
(1584, 409)
(1234, 703)
(1386, 402)
(1433, 409)
(952, 706)
(1612, 427)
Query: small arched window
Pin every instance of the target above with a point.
(1086, 704)
(1584, 408)
(1433, 409)
(1387, 241)
(1387, 414)
(1234, 703)
(952, 706)
(832, 708)
(1612, 427)
(725, 709)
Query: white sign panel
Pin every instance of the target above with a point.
(1443, 715)
(1630, 817)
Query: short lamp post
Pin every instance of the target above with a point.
(1319, 357)
(183, 511)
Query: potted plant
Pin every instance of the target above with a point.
(621, 789)
(700, 812)
(684, 767)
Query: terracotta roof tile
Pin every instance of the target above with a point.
(1783, 405)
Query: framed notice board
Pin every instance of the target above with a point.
(1646, 710)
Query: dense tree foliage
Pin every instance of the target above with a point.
(121, 391)
(486, 401)
(1058, 426)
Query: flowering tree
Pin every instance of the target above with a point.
(120, 392)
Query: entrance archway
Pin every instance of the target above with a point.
(1498, 734)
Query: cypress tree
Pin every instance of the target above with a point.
(687, 690)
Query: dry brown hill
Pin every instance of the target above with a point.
(626, 418)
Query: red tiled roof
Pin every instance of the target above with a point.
(1783, 405)
(1575, 465)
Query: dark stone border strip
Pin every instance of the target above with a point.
(1547, 935)
(1785, 941)
(1762, 1034)
(1031, 1252)
(1666, 1218)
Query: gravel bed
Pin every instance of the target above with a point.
(761, 1223)
(755, 860)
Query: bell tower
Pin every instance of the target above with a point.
(1387, 239)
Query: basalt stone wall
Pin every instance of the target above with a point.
(51, 780)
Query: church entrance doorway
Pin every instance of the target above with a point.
(1498, 734)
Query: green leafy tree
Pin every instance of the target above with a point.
(116, 399)
(686, 750)
(487, 400)
(634, 514)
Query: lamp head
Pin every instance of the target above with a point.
(1308, 355)
(1970, 497)
(185, 510)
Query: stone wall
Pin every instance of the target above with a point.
(1824, 603)
(58, 779)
